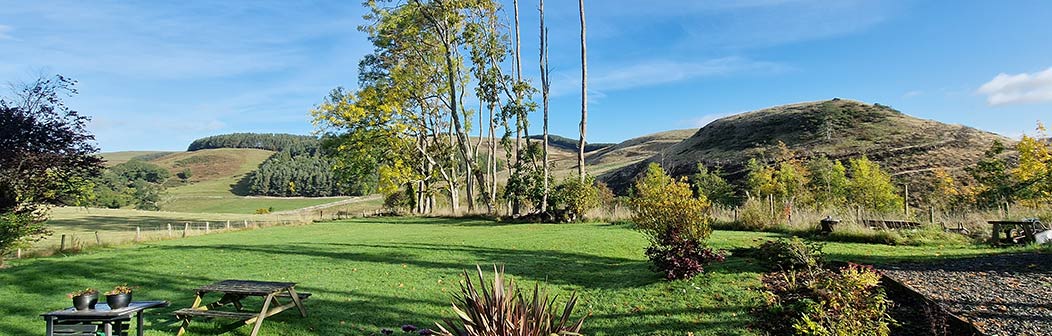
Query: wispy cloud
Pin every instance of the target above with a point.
(658, 72)
(1019, 88)
(912, 94)
(5, 32)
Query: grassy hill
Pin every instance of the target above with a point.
(635, 150)
(218, 182)
(908, 147)
(116, 158)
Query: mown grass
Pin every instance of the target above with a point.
(242, 205)
(372, 273)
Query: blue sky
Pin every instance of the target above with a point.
(156, 75)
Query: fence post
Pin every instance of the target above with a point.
(931, 215)
(62, 245)
(98, 241)
(246, 223)
(186, 229)
(228, 225)
(906, 200)
(207, 229)
(169, 230)
(138, 234)
(18, 254)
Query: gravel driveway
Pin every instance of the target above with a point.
(999, 295)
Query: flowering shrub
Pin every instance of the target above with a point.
(676, 222)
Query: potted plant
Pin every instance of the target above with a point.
(119, 297)
(84, 299)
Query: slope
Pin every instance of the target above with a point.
(908, 147)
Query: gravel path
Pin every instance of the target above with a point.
(999, 295)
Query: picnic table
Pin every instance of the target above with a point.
(70, 321)
(233, 291)
(1016, 232)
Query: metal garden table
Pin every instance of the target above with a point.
(70, 321)
(233, 291)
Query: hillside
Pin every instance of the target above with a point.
(217, 183)
(115, 158)
(568, 144)
(908, 147)
(636, 149)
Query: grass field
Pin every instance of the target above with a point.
(372, 273)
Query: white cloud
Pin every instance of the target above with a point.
(656, 72)
(5, 32)
(912, 94)
(1019, 88)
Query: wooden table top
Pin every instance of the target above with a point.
(102, 310)
(246, 287)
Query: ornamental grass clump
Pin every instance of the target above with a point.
(502, 310)
(675, 221)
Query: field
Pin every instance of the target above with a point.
(367, 274)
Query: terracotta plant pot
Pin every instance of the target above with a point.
(86, 301)
(116, 301)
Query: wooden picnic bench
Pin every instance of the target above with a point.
(1016, 232)
(890, 224)
(233, 292)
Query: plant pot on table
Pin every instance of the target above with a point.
(116, 301)
(85, 301)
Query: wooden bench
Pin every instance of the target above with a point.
(890, 224)
(76, 330)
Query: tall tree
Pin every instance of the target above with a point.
(545, 86)
(584, 95)
(46, 158)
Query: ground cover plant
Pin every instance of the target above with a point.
(369, 274)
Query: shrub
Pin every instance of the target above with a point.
(400, 202)
(823, 302)
(575, 198)
(676, 222)
(793, 254)
(755, 216)
(681, 258)
(264, 211)
(501, 309)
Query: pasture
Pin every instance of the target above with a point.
(368, 274)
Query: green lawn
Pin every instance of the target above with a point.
(371, 273)
(241, 205)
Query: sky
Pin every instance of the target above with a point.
(155, 75)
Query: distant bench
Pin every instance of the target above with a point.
(877, 224)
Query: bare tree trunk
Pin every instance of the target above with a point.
(544, 94)
(492, 161)
(518, 77)
(584, 95)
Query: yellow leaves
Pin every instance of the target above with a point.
(663, 204)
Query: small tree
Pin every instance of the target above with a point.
(676, 222)
(1034, 171)
(711, 185)
(828, 183)
(46, 157)
(871, 187)
(995, 184)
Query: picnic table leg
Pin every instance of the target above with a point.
(297, 301)
(186, 319)
(138, 323)
(107, 328)
(50, 328)
(262, 314)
